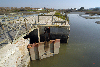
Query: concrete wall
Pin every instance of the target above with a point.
(55, 29)
(56, 32)
(15, 55)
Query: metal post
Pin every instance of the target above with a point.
(38, 35)
(52, 17)
(38, 17)
(35, 19)
(65, 16)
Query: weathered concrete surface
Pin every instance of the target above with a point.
(56, 46)
(42, 50)
(15, 55)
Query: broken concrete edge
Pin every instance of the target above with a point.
(15, 54)
(35, 44)
(40, 43)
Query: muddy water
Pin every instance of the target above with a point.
(83, 48)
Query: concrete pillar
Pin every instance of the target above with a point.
(38, 35)
(34, 53)
(56, 46)
(46, 46)
(41, 49)
(52, 46)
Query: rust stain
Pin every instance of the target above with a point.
(16, 42)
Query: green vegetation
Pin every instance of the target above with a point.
(16, 10)
(42, 14)
(93, 12)
(35, 10)
(89, 10)
(62, 17)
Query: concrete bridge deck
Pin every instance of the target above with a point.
(14, 29)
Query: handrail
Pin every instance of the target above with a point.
(50, 15)
(6, 28)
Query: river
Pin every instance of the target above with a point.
(83, 48)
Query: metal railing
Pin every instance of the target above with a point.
(52, 16)
(10, 31)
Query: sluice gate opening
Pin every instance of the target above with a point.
(33, 35)
(45, 41)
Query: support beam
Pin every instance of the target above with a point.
(38, 35)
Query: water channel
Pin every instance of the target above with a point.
(83, 48)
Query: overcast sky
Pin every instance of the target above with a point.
(58, 4)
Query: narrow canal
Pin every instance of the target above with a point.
(83, 48)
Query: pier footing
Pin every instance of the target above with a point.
(45, 49)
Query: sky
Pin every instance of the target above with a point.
(57, 4)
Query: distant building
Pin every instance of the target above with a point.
(75, 9)
(35, 8)
(40, 9)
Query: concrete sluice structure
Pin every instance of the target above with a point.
(40, 47)
(32, 42)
